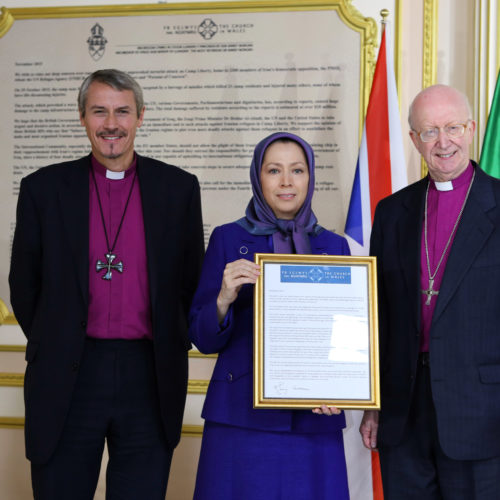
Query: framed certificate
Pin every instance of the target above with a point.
(316, 332)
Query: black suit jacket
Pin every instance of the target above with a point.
(465, 331)
(49, 287)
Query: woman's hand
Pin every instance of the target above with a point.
(327, 410)
(236, 274)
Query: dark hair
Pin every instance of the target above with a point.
(286, 140)
(116, 79)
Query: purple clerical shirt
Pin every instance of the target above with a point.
(119, 308)
(443, 208)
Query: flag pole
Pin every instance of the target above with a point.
(378, 492)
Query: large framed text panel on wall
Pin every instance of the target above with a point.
(217, 78)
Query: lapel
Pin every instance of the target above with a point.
(150, 186)
(473, 232)
(409, 241)
(249, 244)
(158, 199)
(74, 206)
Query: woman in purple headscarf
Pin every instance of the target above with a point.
(247, 453)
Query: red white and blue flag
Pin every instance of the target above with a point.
(380, 171)
(381, 168)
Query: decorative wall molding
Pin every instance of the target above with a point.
(18, 423)
(17, 380)
(11, 379)
(429, 52)
(429, 49)
(487, 63)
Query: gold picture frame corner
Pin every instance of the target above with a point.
(6, 317)
(6, 21)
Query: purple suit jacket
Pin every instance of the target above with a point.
(230, 393)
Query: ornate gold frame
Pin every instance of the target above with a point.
(366, 27)
(6, 317)
(369, 263)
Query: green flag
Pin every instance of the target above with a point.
(490, 153)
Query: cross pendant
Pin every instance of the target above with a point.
(430, 292)
(109, 266)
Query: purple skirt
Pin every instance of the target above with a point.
(248, 464)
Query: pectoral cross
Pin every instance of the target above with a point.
(109, 266)
(430, 292)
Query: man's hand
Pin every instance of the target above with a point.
(368, 429)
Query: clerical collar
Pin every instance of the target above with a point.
(444, 186)
(115, 175)
(462, 179)
(110, 174)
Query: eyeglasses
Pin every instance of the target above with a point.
(453, 131)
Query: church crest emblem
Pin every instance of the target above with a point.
(96, 42)
(207, 29)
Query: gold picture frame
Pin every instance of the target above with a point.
(68, 52)
(334, 299)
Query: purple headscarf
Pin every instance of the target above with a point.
(289, 236)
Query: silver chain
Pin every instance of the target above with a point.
(432, 276)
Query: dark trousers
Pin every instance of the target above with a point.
(418, 469)
(115, 401)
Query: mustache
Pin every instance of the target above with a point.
(114, 131)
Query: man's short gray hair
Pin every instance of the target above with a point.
(119, 80)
